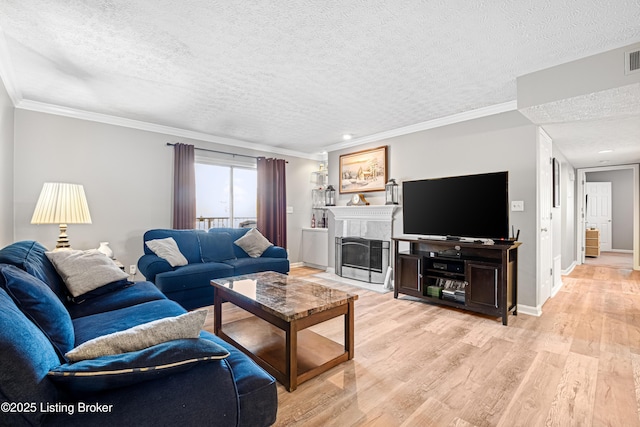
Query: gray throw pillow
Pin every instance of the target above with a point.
(168, 249)
(139, 337)
(84, 271)
(253, 243)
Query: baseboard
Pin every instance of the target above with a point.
(568, 271)
(331, 270)
(312, 265)
(556, 289)
(531, 311)
(296, 264)
(622, 251)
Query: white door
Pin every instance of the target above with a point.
(545, 196)
(598, 201)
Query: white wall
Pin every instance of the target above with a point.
(6, 167)
(501, 142)
(564, 216)
(127, 175)
(592, 74)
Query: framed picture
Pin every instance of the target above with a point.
(556, 183)
(363, 171)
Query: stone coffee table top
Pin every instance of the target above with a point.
(286, 297)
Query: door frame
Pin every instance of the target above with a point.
(541, 253)
(581, 217)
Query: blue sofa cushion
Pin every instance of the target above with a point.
(89, 327)
(38, 302)
(192, 276)
(216, 247)
(107, 372)
(187, 241)
(29, 256)
(255, 265)
(235, 234)
(134, 294)
(26, 355)
(139, 337)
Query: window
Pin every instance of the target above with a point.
(225, 194)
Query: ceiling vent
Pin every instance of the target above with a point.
(632, 62)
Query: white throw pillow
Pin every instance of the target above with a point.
(139, 337)
(84, 271)
(253, 243)
(168, 249)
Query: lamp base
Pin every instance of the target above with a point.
(63, 239)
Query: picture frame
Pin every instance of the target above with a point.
(363, 171)
(556, 183)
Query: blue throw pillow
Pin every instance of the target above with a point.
(107, 372)
(38, 302)
(26, 355)
(29, 255)
(216, 247)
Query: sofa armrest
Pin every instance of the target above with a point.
(152, 265)
(274, 252)
(198, 396)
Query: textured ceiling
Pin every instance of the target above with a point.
(585, 125)
(296, 74)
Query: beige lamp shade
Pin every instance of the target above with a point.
(62, 203)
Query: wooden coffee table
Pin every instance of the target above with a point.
(276, 337)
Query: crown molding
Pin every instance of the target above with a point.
(152, 127)
(430, 124)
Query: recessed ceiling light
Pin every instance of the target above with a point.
(347, 136)
(604, 161)
(605, 151)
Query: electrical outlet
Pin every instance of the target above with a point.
(132, 270)
(517, 206)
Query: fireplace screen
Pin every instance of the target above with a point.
(367, 255)
(362, 253)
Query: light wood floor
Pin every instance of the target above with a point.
(421, 365)
(611, 259)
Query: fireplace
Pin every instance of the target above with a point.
(362, 259)
(366, 233)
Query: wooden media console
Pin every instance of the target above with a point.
(471, 276)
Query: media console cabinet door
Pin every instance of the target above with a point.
(484, 290)
(409, 277)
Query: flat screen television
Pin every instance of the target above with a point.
(470, 206)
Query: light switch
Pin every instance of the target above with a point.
(289, 209)
(517, 205)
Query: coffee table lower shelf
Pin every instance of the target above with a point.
(266, 344)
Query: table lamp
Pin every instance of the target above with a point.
(62, 203)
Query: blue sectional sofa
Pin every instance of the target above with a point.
(211, 255)
(178, 382)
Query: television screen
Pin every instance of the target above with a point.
(472, 206)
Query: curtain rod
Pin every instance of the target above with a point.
(221, 152)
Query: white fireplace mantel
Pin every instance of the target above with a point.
(367, 213)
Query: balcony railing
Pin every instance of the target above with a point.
(207, 222)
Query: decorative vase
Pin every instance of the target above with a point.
(105, 249)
